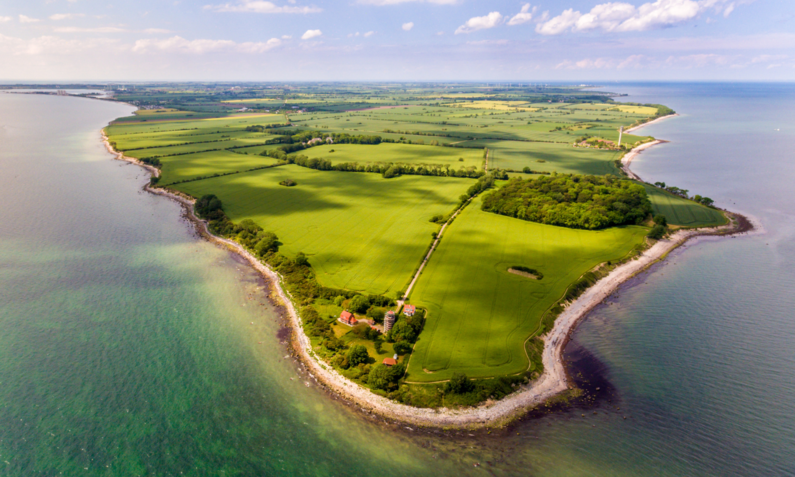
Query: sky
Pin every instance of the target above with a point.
(396, 40)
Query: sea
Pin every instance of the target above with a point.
(129, 346)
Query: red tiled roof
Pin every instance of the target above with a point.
(410, 308)
(347, 317)
(390, 361)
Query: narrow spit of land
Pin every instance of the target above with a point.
(551, 383)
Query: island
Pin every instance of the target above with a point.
(432, 245)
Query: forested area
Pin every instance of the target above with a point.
(575, 201)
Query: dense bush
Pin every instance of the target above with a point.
(357, 355)
(583, 202)
(385, 377)
(459, 384)
(657, 232)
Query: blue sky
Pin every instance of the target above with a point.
(401, 40)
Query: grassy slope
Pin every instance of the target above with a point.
(361, 231)
(683, 212)
(480, 315)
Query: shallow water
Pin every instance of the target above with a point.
(127, 344)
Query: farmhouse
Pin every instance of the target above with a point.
(348, 318)
(390, 361)
(409, 310)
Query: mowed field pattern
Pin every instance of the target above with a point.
(479, 314)
(360, 231)
(683, 212)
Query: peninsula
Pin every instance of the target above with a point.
(432, 245)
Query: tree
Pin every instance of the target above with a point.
(358, 355)
(207, 204)
(266, 242)
(385, 377)
(402, 347)
(459, 384)
(301, 260)
(660, 219)
(359, 304)
(402, 331)
(657, 232)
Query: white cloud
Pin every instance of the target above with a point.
(480, 23)
(287, 37)
(260, 6)
(26, 19)
(408, 26)
(311, 34)
(177, 44)
(66, 16)
(5, 19)
(155, 31)
(524, 16)
(89, 30)
(623, 17)
(382, 3)
(369, 34)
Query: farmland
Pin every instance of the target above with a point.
(406, 158)
(479, 314)
(360, 231)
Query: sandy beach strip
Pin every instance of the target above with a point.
(551, 383)
(662, 118)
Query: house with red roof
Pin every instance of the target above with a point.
(348, 318)
(409, 310)
(390, 361)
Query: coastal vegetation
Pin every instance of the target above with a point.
(342, 192)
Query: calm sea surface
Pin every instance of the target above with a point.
(130, 347)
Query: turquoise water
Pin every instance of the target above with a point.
(127, 344)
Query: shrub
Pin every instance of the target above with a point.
(357, 355)
(385, 377)
(459, 384)
(657, 232)
(402, 347)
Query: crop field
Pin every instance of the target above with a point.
(360, 231)
(683, 212)
(563, 158)
(201, 164)
(642, 110)
(385, 153)
(479, 314)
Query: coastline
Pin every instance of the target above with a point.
(635, 128)
(632, 154)
(550, 384)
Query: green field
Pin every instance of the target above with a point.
(479, 314)
(411, 154)
(683, 212)
(361, 232)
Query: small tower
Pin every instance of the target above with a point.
(389, 321)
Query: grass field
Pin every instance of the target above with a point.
(479, 314)
(360, 231)
(679, 211)
(562, 158)
(399, 153)
(190, 166)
